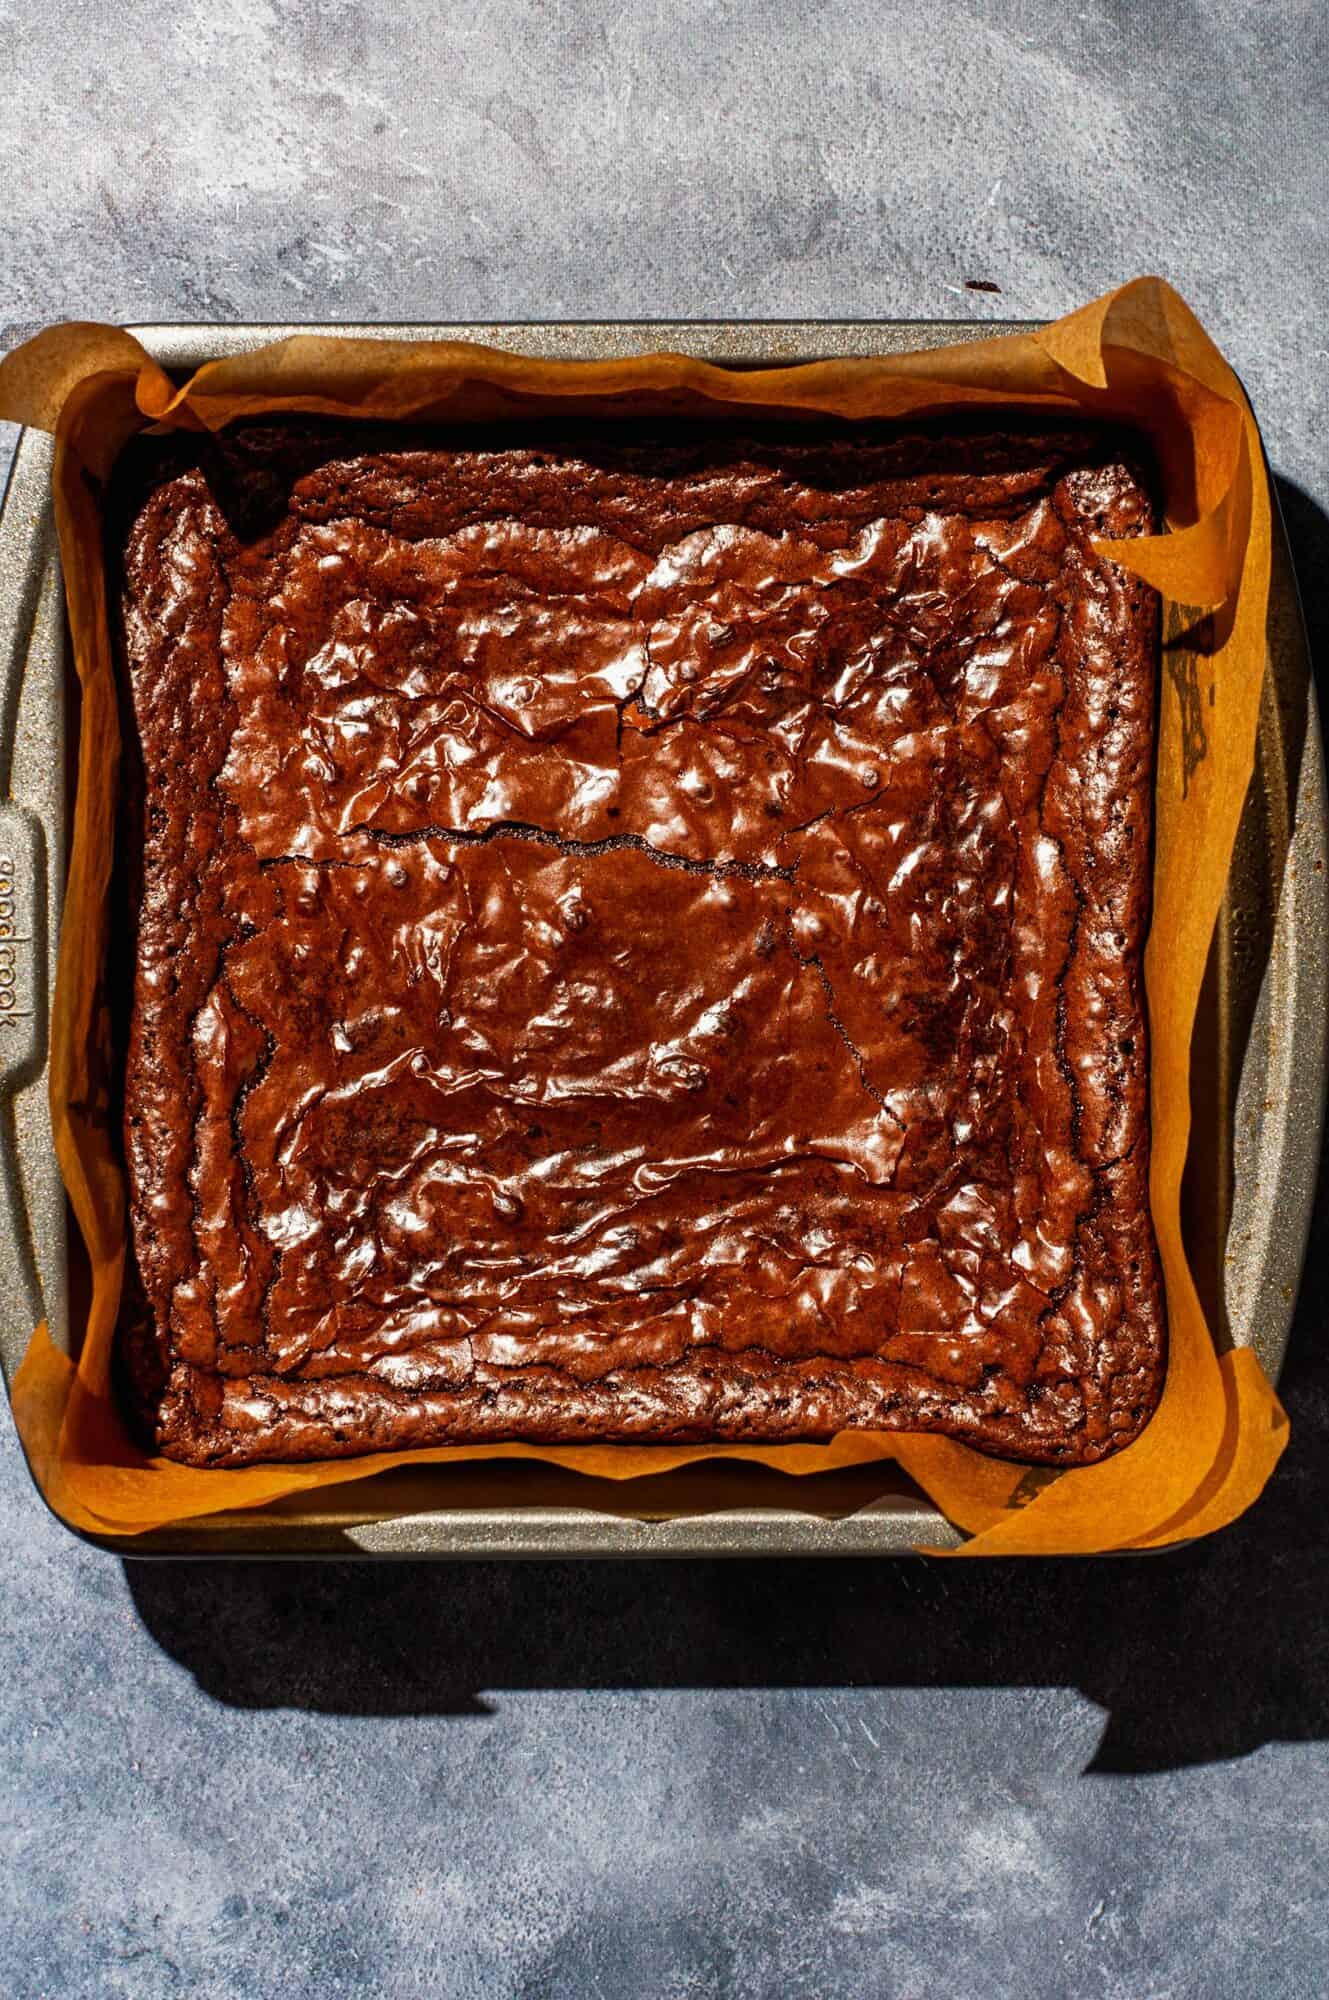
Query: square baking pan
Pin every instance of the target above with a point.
(1258, 1066)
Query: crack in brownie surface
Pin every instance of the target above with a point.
(637, 938)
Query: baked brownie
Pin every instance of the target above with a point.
(636, 937)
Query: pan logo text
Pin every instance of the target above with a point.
(9, 942)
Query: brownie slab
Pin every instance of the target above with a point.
(636, 938)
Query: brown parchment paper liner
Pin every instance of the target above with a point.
(1137, 355)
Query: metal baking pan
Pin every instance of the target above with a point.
(1258, 1071)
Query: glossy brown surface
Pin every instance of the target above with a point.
(637, 939)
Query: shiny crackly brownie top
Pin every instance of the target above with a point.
(636, 937)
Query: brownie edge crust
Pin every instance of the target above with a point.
(636, 938)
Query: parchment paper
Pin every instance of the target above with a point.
(1137, 355)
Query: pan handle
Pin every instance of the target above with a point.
(22, 953)
(22, 1057)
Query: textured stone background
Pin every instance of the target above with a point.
(1099, 1779)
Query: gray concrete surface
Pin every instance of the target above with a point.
(1097, 1779)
